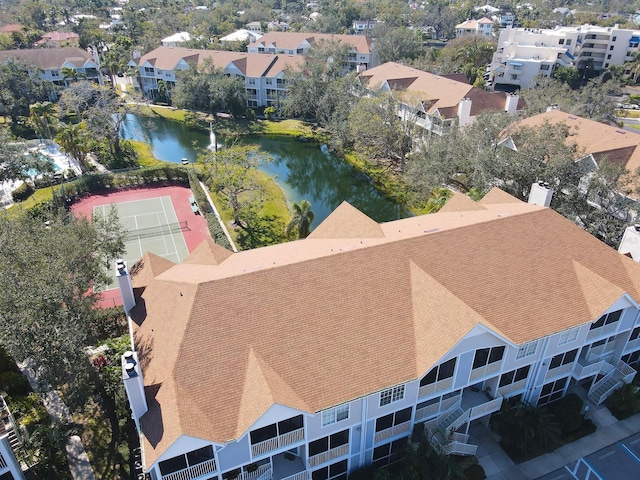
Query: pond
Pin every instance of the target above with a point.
(302, 170)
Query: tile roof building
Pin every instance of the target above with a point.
(51, 61)
(313, 358)
(59, 39)
(264, 75)
(436, 103)
(298, 43)
(482, 26)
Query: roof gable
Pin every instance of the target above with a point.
(347, 221)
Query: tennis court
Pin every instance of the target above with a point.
(152, 226)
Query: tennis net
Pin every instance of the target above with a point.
(157, 230)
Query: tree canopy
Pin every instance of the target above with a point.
(50, 263)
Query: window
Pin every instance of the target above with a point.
(7, 476)
(613, 39)
(568, 41)
(606, 65)
(514, 376)
(485, 356)
(606, 319)
(269, 81)
(561, 41)
(55, 73)
(568, 336)
(441, 372)
(393, 419)
(389, 453)
(635, 334)
(149, 70)
(391, 395)
(544, 67)
(609, 57)
(527, 350)
(327, 443)
(335, 471)
(631, 358)
(514, 76)
(552, 391)
(276, 429)
(563, 359)
(335, 414)
(252, 81)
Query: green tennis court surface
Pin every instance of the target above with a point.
(152, 226)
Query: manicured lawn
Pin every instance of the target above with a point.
(145, 155)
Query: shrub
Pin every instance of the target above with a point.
(568, 412)
(7, 363)
(14, 383)
(108, 323)
(23, 192)
(474, 472)
(624, 402)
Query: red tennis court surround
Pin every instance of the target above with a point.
(193, 236)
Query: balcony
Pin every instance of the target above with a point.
(192, 472)
(485, 371)
(514, 387)
(277, 442)
(432, 388)
(605, 330)
(329, 455)
(392, 432)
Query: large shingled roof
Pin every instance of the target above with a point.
(317, 322)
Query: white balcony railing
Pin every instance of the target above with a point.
(332, 454)
(298, 476)
(602, 331)
(583, 371)
(485, 408)
(435, 387)
(392, 432)
(561, 370)
(486, 370)
(514, 387)
(277, 442)
(195, 471)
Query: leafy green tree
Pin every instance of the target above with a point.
(569, 75)
(301, 220)
(18, 90)
(14, 164)
(231, 172)
(377, 131)
(396, 44)
(49, 265)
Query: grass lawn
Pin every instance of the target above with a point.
(145, 155)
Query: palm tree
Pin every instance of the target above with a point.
(301, 220)
(437, 199)
(42, 113)
(71, 74)
(73, 141)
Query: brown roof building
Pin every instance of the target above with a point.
(434, 102)
(362, 330)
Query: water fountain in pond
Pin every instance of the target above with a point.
(213, 141)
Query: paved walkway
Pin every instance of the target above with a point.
(498, 466)
(77, 458)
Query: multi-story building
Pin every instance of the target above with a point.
(264, 75)
(361, 53)
(435, 103)
(482, 26)
(58, 40)
(523, 53)
(9, 465)
(49, 63)
(313, 358)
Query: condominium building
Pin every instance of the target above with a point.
(435, 103)
(50, 62)
(264, 75)
(482, 26)
(361, 47)
(523, 53)
(310, 359)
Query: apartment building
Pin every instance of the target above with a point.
(523, 53)
(49, 62)
(482, 26)
(313, 358)
(264, 75)
(361, 54)
(435, 103)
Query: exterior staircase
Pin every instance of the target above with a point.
(620, 374)
(442, 435)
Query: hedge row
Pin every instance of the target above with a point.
(121, 179)
(215, 228)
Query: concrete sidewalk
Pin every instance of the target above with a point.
(498, 468)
